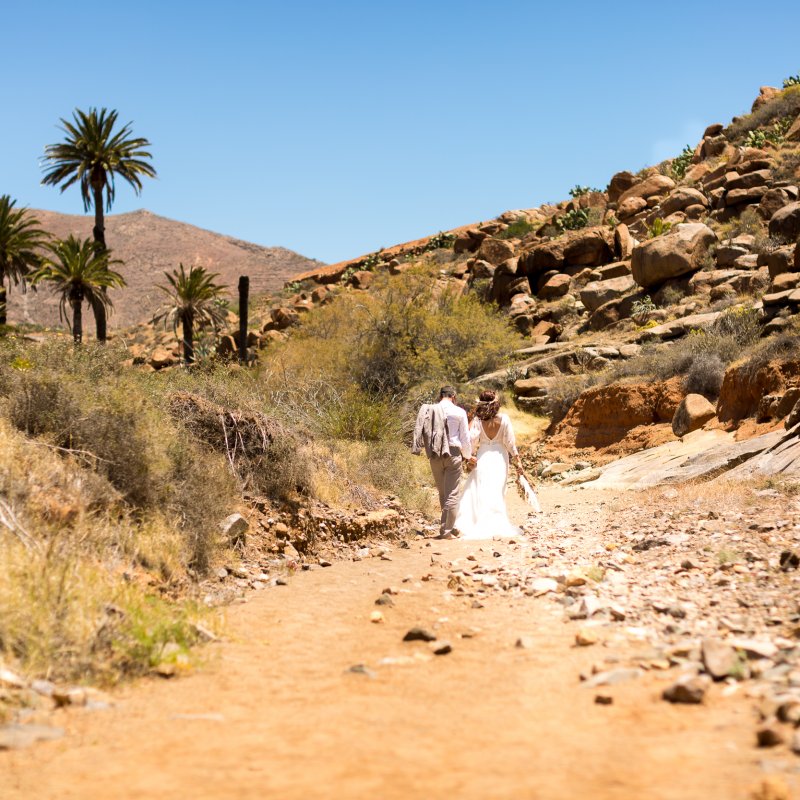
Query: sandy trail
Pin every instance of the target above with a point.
(276, 713)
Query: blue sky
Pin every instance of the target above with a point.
(338, 128)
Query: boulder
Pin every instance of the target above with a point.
(362, 279)
(793, 134)
(495, 251)
(715, 129)
(594, 294)
(620, 183)
(739, 197)
(623, 242)
(692, 413)
(682, 198)
(556, 286)
(785, 222)
(779, 260)
(743, 387)
(284, 318)
(161, 358)
(544, 256)
(784, 281)
(653, 186)
(679, 252)
(482, 269)
(765, 94)
(726, 254)
(613, 311)
(615, 270)
(590, 247)
(631, 207)
(760, 177)
(773, 200)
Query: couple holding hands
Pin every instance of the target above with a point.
(485, 446)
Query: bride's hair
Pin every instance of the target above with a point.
(488, 405)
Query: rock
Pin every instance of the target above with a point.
(631, 206)
(482, 270)
(495, 251)
(586, 637)
(623, 243)
(11, 679)
(603, 699)
(384, 600)
(692, 413)
(650, 187)
(715, 129)
(769, 735)
(778, 261)
(376, 617)
(785, 222)
(719, 658)
(555, 287)
(284, 318)
(679, 252)
(619, 184)
(770, 788)
(682, 198)
(613, 677)
(15, 737)
(234, 529)
(765, 94)
(589, 247)
(417, 634)
(686, 690)
(541, 586)
(442, 648)
(524, 643)
(596, 293)
(772, 201)
(362, 279)
(161, 358)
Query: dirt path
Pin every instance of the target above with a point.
(276, 711)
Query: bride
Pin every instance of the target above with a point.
(482, 511)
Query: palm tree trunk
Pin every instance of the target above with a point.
(99, 233)
(3, 300)
(77, 319)
(99, 310)
(188, 337)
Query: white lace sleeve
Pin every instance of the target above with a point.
(507, 436)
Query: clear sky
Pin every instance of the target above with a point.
(338, 128)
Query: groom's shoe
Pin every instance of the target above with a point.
(453, 534)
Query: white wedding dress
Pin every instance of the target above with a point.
(482, 511)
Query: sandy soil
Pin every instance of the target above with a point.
(276, 711)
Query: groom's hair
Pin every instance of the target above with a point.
(447, 391)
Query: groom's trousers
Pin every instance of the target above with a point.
(447, 476)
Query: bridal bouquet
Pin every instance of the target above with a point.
(527, 494)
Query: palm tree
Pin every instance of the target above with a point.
(80, 269)
(20, 238)
(193, 298)
(93, 154)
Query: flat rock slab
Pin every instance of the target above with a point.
(653, 466)
(704, 454)
(15, 737)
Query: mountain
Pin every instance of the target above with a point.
(150, 245)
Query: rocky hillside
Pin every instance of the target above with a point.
(150, 245)
(680, 280)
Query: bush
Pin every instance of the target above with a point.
(578, 191)
(518, 229)
(564, 391)
(573, 220)
(704, 375)
(680, 164)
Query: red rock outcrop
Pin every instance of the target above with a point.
(743, 386)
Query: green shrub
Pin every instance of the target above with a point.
(680, 164)
(573, 220)
(578, 190)
(518, 229)
(642, 310)
(792, 80)
(440, 241)
(705, 374)
(658, 228)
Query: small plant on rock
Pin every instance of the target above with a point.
(517, 229)
(573, 220)
(642, 310)
(577, 190)
(658, 228)
(681, 163)
(792, 80)
(440, 241)
(372, 260)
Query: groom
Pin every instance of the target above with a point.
(443, 430)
